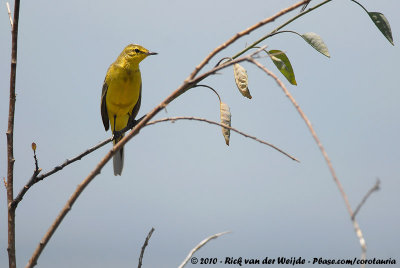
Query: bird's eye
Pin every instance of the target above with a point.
(137, 50)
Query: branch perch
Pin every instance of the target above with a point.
(35, 178)
(187, 84)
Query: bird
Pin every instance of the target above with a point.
(121, 96)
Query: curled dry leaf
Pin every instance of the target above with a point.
(225, 114)
(241, 80)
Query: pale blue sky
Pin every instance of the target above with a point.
(181, 178)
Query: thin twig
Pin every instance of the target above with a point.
(72, 160)
(34, 156)
(323, 151)
(216, 93)
(241, 34)
(201, 244)
(305, 6)
(23, 191)
(9, 14)
(225, 126)
(144, 247)
(373, 189)
(35, 178)
(279, 27)
(10, 140)
(221, 60)
(356, 227)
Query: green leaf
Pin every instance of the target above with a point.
(282, 62)
(380, 21)
(316, 42)
(383, 25)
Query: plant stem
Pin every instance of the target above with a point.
(278, 28)
(10, 141)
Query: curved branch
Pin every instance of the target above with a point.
(216, 93)
(280, 27)
(200, 245)
(146, 241)
(242, 33)
(35, 178)
(323, 151)
(373, 189)
(224, 126)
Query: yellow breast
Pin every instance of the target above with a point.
(122, 94)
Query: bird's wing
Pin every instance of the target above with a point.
(136, 108)
(103, 106)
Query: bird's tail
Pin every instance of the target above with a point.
(118, 158)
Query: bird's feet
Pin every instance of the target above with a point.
(132, 122)
(117, 135)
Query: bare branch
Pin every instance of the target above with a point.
(23, 191)
(144, 247)
(280, 27)
(10, 139)
(373, 189)
(35, 178)
(9, 14)
(72, 160)
(241, 34)
(200, 245)
(172, 119)
(323, 151)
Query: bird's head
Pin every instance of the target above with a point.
(134, 54)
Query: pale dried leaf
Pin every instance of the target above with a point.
(241, 80)
(225, 120)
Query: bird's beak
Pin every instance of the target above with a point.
(152, 53)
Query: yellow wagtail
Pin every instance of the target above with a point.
(121, 95)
